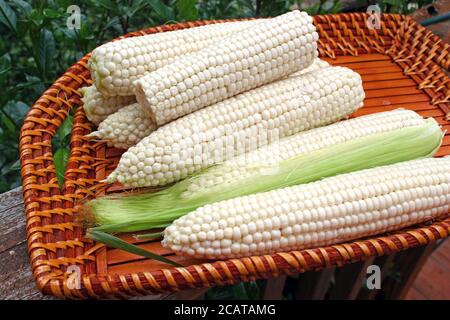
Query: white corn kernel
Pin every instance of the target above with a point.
(98, 108)
(430, 176)
(231, 118)
(116, 65)
(216, 59)
(125, 128)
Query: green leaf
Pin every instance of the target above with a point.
(313, 10)
(391, 2)
(16, 111)
(118, 243)
(161, 9)
(69, 33)
(15, 166)
(8, 122)
(22, 28)
(85, 32)
(5, 67)
(107, 4)
(23, 6)
(8, 16)
(46, 52)
(239, 291)
(60, 160)
(327, 5)
(252, 290)
(187, 10)
(337, 7)
(52, 14)
(65, 129)
(111, 23)
(136, 7)
(3, 185)
(36, 17)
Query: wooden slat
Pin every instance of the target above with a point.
(441, 121)
(349, 280)
(349, 59)
(150, 265)
(273, 288)
(408, 264)
(382, 76)
(414, 294)
(116, 256)
(389, 84)
(314, 285)
(442, 254)
(368, 64)
(390, 93)
(12, 213)
(435, 113)
(362, 71)
(418, 106)
(16, 279)
(387, 42)
(190, 294)
(443, 151)
(387, 101)
(433, 280)
(446, 140)
(101, 263)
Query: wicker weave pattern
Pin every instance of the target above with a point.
(56, 242)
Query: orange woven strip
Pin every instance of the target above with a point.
(214, 273)
(226, 270)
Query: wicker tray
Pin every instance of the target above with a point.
(401, 64)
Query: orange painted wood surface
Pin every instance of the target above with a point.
(433, 281)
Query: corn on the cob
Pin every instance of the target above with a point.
(339, 148)
(97, 107)
(268, 157)
(116, 65)
(269, 50)
(129, 125)
(330, 211)
(224, 130)
(124, 128)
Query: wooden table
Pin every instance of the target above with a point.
(16, 280)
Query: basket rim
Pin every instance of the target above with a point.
(43, 200)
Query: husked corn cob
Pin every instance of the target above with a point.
(269, 50)
(396, 136)
(267, 157)
(124, 128)
(97, 107)
(330, 211)
(129, 125)
(224, 130)
(116, 65)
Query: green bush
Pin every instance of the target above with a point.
(36, 47)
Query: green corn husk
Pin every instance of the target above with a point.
(128, 213)
(118, 243)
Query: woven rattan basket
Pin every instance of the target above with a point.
(402, 66)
